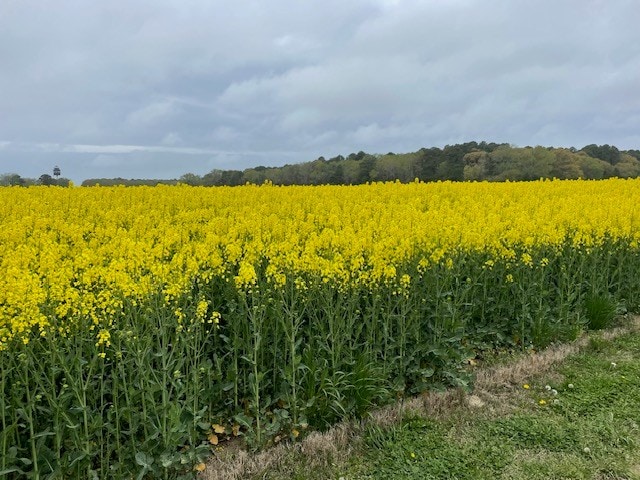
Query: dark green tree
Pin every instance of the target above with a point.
(607, 153)
(46, 179)
(365, 166)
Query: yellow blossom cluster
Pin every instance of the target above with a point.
(79, 253)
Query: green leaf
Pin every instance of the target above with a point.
(227, 386)
(144, 460)
(166, 460)
(427, 372)
(11, 470)
(243, 420)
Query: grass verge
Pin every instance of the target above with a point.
(570, 412)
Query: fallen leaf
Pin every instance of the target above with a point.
(218, 428)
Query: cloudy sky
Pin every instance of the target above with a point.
(159, 88)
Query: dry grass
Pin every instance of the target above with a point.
(493, 393)
(317, 450)
(493, 379)
(493, 386)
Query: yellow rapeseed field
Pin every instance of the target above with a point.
(78, 253)
(140, 327)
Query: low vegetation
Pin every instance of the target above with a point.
(571, 411)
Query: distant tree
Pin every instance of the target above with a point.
(627, 167)
(594, 168)
(63, 182)
(11, 179)
(448, 163)
(191, 179)
(466, 161)
(452, 166)
(604, 152)
(214, 177)
(297, 174)
(356, 156)
(319, 172)
(499, 161)
(566, 165)
(256, 176)
(336, 177)
(232, 177)
(428, 162)
(541, 164)
(365, 166)
(46, 179)
(475, 165)
(106, 182)
(633, 153)
(401, 167)
(350, 171)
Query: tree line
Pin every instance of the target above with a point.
(15, 180)
(466, 161)
(471, 161)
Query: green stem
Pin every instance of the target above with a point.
(32, 433)
(3, 414)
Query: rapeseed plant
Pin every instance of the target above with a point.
(137, 315)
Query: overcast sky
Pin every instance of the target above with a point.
(159, 88)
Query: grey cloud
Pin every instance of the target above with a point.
(173, 87)
(107, 161)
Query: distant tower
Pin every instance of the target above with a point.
(56, 171)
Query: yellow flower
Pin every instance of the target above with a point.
(526, 259)
(526, 386)
(113, 247)
(104, 338)
(201, 310)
